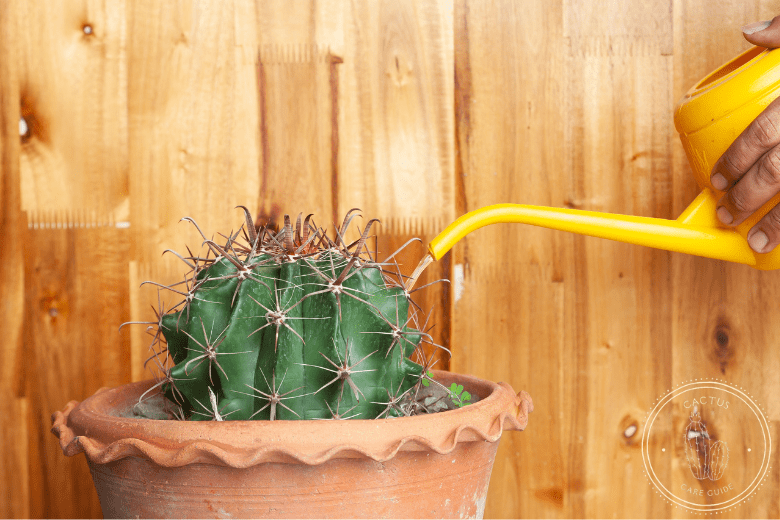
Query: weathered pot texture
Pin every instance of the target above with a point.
(431, 466)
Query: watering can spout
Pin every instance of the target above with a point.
(709, 118)
(696, 232)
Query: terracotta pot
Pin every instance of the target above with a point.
(435, 465)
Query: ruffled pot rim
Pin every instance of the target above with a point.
(93, 427)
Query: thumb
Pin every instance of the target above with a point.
(764, 34)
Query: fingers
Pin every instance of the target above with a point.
(763, 34)
(750, 168)
(765, 235)
(750, 146)
(749, 172)
(754, 189)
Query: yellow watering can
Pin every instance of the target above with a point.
(709, 118)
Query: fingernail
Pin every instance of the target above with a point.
(758, 241)
(719, 182)
(724, 216)
(755, 27)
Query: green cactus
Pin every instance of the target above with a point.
(290, 325)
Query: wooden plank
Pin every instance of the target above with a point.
(584, 140)
(193, 121)
(288, 23)
(300, 45)
(627, 28)
(725, 330)
(298, 88)
(396, 147)
(70, 85)
(14, 446)
(726, 325)
(75, 295)
(73, 84)
(509, 319)
(618, 134)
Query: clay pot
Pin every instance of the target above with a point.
(432, 466)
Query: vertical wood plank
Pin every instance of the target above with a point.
(193, 124)
(397, 143)
(618, 145)
(511, 282)
(73, 84)
(617, 26)
(726, 323)
(14, 446)
(597, 90)
(300, 45)
(71, 87)
(298, 86)
(625, 318)
(302, 22)
(72, 278)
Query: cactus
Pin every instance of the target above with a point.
(290, 325)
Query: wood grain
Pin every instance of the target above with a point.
(73, 86)
(397, 143)
(726, 327)
(298, 83)
(193, 116)
(75, 294)
(508, 318)
(298, 86)
(620, 122)
(415, 112)
(14, 409)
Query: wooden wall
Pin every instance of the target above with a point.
(140, 112)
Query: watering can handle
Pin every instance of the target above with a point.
(695, 232)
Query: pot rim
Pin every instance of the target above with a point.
(90, 427)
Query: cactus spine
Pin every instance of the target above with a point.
(290, 325)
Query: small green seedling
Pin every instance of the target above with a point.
(459, 397)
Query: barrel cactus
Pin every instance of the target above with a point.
(293, 324)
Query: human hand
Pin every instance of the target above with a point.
(749, 171)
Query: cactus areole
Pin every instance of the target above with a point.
(293, 324)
